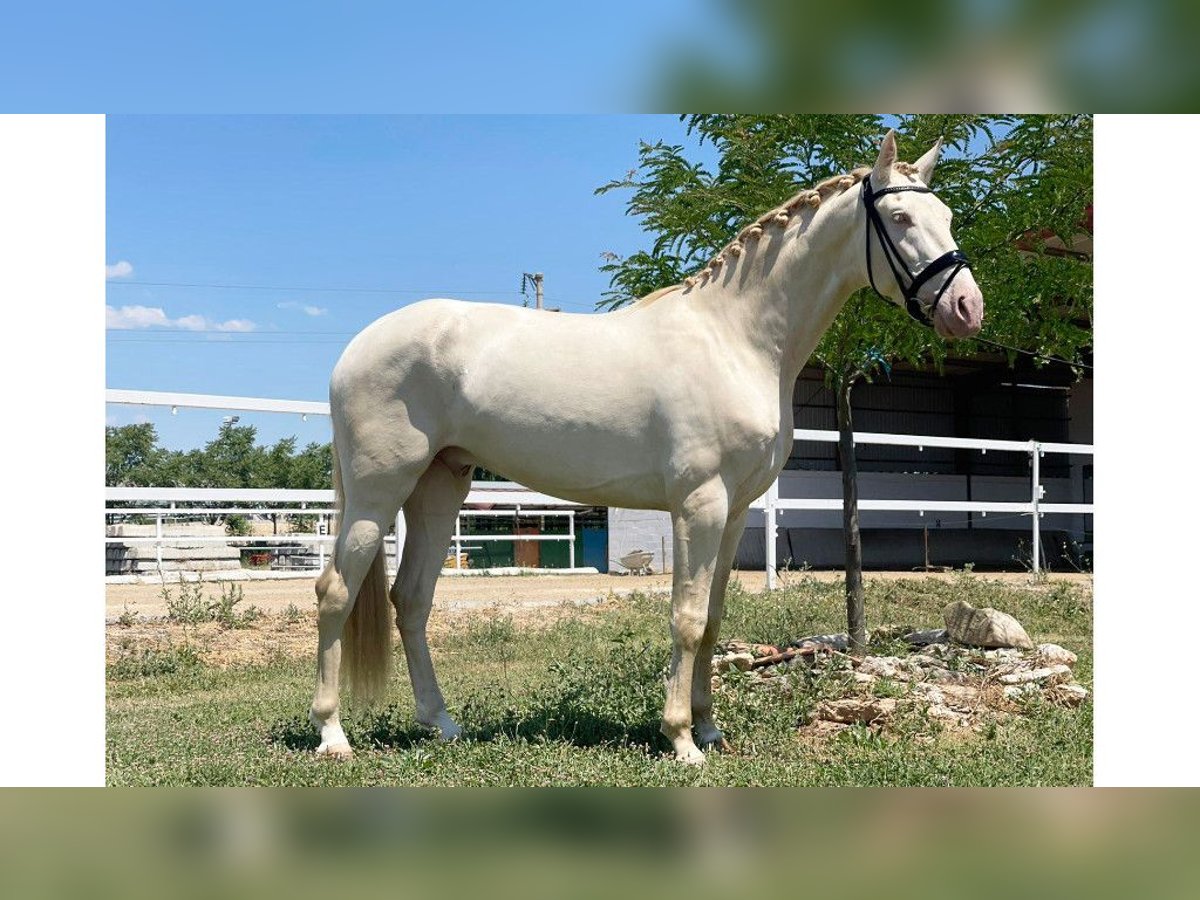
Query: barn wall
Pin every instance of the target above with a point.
(639, 529)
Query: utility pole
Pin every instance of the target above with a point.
(536, 279)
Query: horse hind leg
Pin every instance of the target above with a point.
(430, 513)
(354, 576)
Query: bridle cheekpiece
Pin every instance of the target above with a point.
(955, 259)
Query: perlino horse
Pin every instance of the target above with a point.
(682, 402)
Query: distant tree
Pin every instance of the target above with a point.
(312, 468)
(132, 455)
(1013, 181)
(232, 459)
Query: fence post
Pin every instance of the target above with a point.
(1036, 453)
(158, 540)
(401, 536)
(571, 543)
(770, 532)
(321, 532)
(458, 542)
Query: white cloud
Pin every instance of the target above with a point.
(192, 323)
(235, 325)
(121, 269)
(303, 307)
(132, 317)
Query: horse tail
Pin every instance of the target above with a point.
(367, 634)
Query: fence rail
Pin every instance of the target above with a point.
(509, 493)
(772, 504)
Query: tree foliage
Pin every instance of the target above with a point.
(232, 459)
(1005, 177)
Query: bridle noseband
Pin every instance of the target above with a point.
(955, 259)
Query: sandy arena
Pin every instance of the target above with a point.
(462, 594)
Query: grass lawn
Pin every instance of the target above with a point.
(576, 701)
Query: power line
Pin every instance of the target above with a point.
(336, 290)
(200, 343)
(314, 290)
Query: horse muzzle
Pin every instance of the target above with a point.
(959, 312)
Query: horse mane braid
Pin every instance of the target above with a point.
(779, 216)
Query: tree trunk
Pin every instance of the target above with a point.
(855, 609)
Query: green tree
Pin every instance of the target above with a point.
(232, 459)
(1013, 182)
(312, 468)
(132, 455)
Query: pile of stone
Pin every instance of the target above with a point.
(182, 554)
(982, 666)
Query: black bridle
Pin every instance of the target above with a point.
(955, 259)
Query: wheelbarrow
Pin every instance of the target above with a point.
(638, 562)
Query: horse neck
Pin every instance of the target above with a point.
(791, 295)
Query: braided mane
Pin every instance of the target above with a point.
(779, 216)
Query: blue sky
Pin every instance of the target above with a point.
(419, 206)
(355, 56)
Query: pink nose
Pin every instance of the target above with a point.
(962, 315)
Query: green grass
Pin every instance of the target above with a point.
(578, 703)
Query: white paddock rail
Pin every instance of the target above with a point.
(509, 493)
(503, 493)
(772, 504)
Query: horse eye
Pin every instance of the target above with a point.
(901, 218)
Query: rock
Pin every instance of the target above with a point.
(945, 676)
(755, 650)
(1050, 674)
(1052, 654)
(947, 715)
(839, 642)
(984, 627)
(1005, 655)
(927, 637)
(730, 661)
(960, 694)
(949, 695)
(856, 712)
(864, 678)
(1069, 694)
(886, 667)
(930, 692)
(927, 662)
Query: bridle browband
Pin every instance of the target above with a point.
(955, 259)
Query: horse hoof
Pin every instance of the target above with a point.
(690, 757)
(339, 752)
(709, 737)
(447, 729)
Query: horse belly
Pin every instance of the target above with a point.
(579, 462)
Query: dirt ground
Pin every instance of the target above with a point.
(136, 613)
(509, 592)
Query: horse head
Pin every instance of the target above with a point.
(912, 259)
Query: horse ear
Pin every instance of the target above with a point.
(926, 163)
(887, 158)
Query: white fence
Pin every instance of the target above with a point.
(509, 493)
(497, 493)
(773, 505)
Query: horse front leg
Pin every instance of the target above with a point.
(707, 732)
(698, 528)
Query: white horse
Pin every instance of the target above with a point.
(681, 402)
